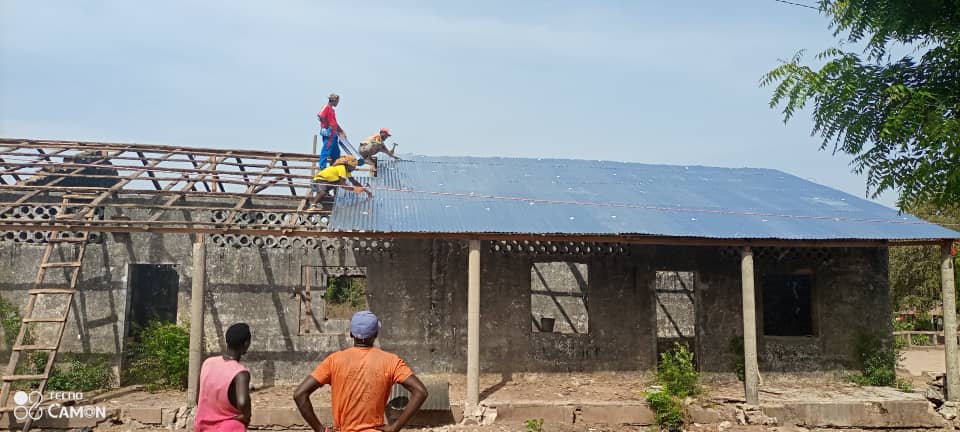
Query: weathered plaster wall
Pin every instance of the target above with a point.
(418, 287)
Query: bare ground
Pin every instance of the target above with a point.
(575, 388)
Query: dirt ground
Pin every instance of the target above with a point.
(916, 361)
(575, 388)
(519, 427)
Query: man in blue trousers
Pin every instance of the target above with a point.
(330, 131)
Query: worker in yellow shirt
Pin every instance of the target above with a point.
(334, 176)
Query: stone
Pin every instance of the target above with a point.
(934, 395)
(724, 425)
(948, 411)
(759, 418)
(703, 415)
(741, 417)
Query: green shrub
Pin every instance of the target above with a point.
(667, 408)
(877, 361)
(904, 385)
(160, 358)
(923, 322)
(902, 324)
(74, 374)
(921, 339)
(534, 425)
(10, 321)
(676, 372)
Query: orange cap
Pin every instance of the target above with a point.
(387, 131)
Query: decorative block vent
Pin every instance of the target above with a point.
(30, 214)
(247, 217)
(547, 248)
(362, 245)
(776, 254)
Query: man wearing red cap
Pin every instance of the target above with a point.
(373, 144)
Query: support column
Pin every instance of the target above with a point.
(196, 319)
(473, 331)
(950, 322)
(750, 368)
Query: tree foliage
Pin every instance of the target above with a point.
(915, 270)
(897, 116)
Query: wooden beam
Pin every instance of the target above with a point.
(143, 159)
(249, 162)
(205, 185)
(29, 195)
(250, 190)
(11, 173)
(189, 185)
(113, 189)
(89, 145)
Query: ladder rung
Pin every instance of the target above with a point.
(45, 319)
(61, 264)
(51, 291)
(34, 348)
(80, 196)
(23, 377)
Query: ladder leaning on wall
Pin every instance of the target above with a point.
(55, 300)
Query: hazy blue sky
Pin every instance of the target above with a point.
(643, 81)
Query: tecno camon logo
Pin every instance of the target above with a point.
(63, 406)
(28, 405)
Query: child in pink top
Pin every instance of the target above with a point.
(224, 400)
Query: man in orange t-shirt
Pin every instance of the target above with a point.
(360, 380)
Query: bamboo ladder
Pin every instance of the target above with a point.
(61, 297)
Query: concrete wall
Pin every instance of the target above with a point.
(418, 287)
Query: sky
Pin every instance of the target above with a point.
(636, 81)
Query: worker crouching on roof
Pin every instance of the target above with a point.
(336, 175)
(374, 144)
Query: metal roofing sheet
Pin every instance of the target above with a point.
(555, 196)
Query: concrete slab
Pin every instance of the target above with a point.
(702, 415)
(638, 414)
(287, 417)
(886, 414)
(552, 415)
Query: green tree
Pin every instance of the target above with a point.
(915, 270)
(896, 115)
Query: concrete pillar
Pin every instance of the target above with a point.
(950, 322)
(472, 402)
(196, 319)
(750, 368)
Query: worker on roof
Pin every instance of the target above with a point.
(374, 144)
(330, 131)
(335, 176)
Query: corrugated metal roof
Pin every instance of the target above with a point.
(554, 196)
